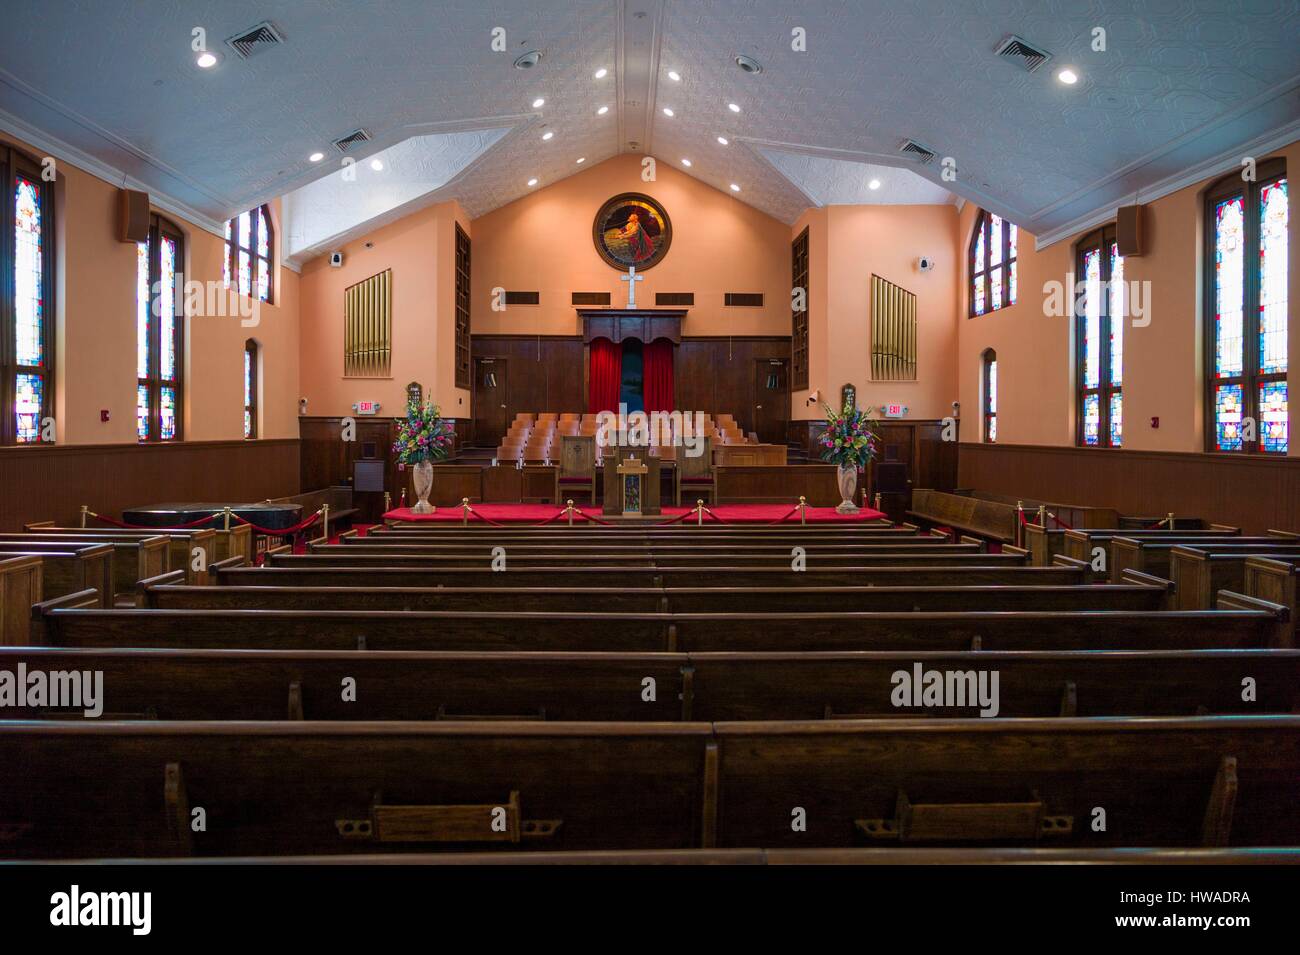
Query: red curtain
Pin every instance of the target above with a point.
(657, 361)
(605, 377)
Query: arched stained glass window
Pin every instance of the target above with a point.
(993, 268)
(26, 267)
(1246, 312)
(1100, 312)
(249, 243)
(250, 388)
(990, 396)
(159, 333)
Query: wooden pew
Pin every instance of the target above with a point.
(978, 517)
(1153, 557)
(70, 567)
(1043, 544)
(1210, 781)
(181, 543)
(1268, 576)
(1131, 596)
(126, 788)
(21, 586)
(345, 557)
(1249, 623)
(430, 685)
(965, 569)
(1198, 573)
(133, 560)
(1080, 544)
(94, 789)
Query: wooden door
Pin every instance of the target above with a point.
(771, 411)
(491, 400)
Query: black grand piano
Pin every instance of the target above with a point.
(271, 516)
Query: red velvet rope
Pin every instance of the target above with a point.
(1061, 523)
(279, 531)
(147, 527)
(1021, 515)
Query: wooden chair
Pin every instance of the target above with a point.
(578, 464)
(695, 475)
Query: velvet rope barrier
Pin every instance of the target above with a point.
(147, 527)
(279, 531)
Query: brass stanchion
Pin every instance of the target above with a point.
(464, 512)
(226, 517)
(568, 509)
(1169, 519)
(699, 512)
(879, 501)
(84, 511)
(803, 509)
(388, 502)
(325, 521)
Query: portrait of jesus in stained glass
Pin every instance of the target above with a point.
(632, 229)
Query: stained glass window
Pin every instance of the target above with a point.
(1247, 302)
(1101, 311)
(992, 264)
(249, 241)
(159, 327)
(250, 389)
(990, 396)
(26, 365)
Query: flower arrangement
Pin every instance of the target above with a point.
(850, 438)
(422, 435)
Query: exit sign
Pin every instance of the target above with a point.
(366, 407)
(895, 411)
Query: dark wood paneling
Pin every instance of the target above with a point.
(1251, 492)
(643, 324)
(776, 485)
(51, 482)
(717, 375)
(544, 373)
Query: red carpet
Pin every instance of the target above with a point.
(549, 513)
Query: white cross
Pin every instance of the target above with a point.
(631, 279)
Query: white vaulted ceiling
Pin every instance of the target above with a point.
(1183, 88)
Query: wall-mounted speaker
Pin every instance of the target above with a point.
(1128, 230)
(133, 215)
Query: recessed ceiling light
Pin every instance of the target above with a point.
(667, 111)
(526, 61)
(581, 160)
(547, 135)
(532, 182)
(874, 184)
(1068, 77)
(316, 157)
(674, 76)
(206, 60)
(749, 64)
(735, 188)
(376, 165)
(724, 140)
(602, 111)
(686, 162)
(733, 107)
(539, 103)
(601, 73)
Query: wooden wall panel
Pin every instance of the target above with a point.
(1250, 491)
(51, 483)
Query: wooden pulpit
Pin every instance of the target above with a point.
(631, 482)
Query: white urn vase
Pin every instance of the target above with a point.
(422, 475)
(848, 481)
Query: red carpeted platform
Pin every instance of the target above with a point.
(550, 514)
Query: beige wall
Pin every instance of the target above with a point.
(543, 243)
(420, 249)
(95, 329)
(1163, 368)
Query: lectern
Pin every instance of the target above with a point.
(631, 482)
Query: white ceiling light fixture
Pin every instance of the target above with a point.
(206, 60)
(602, 111)
(526, 61)
(601, 73)
(874, 184)
(581, 160)
(668, 112)
(316, 157)
(532, 182)
(724, 140)
(735, 188)
(733, 107)
(377, 165)
(674, 76)
(686, 163)
(547, 135)
(749, 64)
(539, 103)
(1068, 76)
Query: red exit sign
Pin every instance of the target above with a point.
(895, 411)
(366, 407)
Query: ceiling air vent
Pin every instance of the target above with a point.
(1021, 51)
(351, 140)
(914, 150)
(255, 40)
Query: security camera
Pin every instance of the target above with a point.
(814, 397)
(336, 259)
(925, 263)
(302, 406)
